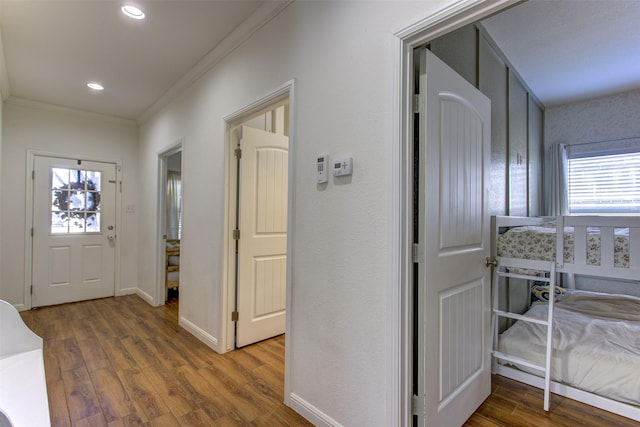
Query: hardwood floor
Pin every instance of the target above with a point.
(119, 362)
(513, 404)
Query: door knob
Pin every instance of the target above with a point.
(489, 262)
(111, 237)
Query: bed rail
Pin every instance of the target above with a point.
(582, 227)
(607, 226)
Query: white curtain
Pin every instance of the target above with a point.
(556, 181)
(174, 210)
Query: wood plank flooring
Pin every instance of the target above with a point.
(119, 362)
(513, 404)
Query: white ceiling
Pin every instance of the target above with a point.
(565, 50)
(571, 50)
(53, 48)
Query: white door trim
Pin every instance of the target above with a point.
(157, 299)
(28, 238)
(286, 91)
(400, 296)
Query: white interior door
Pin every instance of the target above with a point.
(262, 249)
(454, 372)
(74, 205)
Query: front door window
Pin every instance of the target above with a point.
(75, 201)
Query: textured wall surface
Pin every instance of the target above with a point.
(602, 119)
(609, 122)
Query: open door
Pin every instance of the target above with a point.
(262, 245)
(453, 324)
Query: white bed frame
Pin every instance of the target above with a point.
(607, 269)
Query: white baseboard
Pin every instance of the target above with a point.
(21, 307)
(200, 333)
(126, 291)
(145, 296)
(310, 412)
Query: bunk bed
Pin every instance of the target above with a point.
(172, 264)
(582, 345)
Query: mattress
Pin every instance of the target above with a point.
(596, 343)
(539, 243)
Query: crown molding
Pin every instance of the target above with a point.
(29, 103)
(264, 14)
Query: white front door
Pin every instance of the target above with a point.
(262, 249)
(74, 205)
(454, 372)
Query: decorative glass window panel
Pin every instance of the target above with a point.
(75, 201)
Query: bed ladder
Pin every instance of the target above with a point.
(504, 265)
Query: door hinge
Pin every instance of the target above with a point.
(417, 405)
(415, 252)
(418, 101)
(32, 232)
(237, 153)
(234, 316)
(33, 174)
(31, 290)
(236, 234)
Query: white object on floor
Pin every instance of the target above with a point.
(23, 388)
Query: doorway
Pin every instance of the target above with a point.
(452, 336)
(405, 404)
(74, 230)
(170, 189)
(257, 222)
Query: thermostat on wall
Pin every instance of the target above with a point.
(342, 166)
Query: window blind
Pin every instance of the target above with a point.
(605, 184)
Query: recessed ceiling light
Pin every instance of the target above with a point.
(132, 12)
(95, 86)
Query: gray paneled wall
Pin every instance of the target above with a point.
(518, 135)
(458, 51)
(516, 119)
(535, 158)
(493, 75)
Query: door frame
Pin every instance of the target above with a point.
(29, 224)
(265, 103)
(401, 297)
(163, 161)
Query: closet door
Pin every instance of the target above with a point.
(518, 191)
(493, 83)
(535, 156)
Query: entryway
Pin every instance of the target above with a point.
(74, 230)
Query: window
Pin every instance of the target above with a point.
(604, 183)
(75, 201)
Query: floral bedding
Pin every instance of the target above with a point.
(539, 242)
